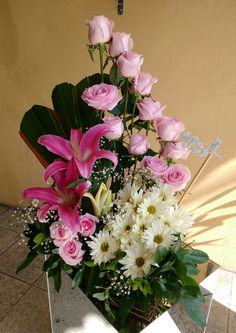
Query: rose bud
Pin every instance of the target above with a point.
(154, 164)
(121, 42)
(102, 96)
(129, 64)
(100, 29)
(116, 127)
(59, 232)
(143, 83)
(71, 251)
(88, 225)
(150, 109)
(176, 150)
(168, 128)
(138, 144)
(177, 175)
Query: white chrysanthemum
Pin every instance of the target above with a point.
(167, 193)
(169, 219)
(183, 221)
(122, 225)
(137, 261)
(103, 247)
(142, 223)
(152, 206)
(158, 235)
(127, 192)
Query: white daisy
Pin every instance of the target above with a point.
(142, 223)
(103, 247)
(167, 193)
(157, 235)
(122, 225)
(184, 221)
(152, 206)
(128, 190)
(137, 261)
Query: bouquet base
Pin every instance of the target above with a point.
(72, 312)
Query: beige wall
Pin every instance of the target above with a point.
(188, 44)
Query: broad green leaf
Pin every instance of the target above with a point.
(161, 253)
(125, 305)
(78, 278)
(30, 257)
(197, 256)
(158, 288)
(50, 261)
(192, 269)
(57, 280)
(192, 306)
(39, 238)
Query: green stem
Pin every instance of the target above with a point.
(133, 115)
(148, 126)
(101, 48)
(126, 105)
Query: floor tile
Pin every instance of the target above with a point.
(11, 290)
(13, 257)
(41, 282)
(3, 208)
(29, 315)
(9, 219)
(7, 238)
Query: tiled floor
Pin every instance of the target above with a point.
(23, 297)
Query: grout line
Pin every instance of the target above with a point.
(30, 286)
(10, 247)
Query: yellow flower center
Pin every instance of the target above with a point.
(139, 261)
(151, 209)
(167, 223)
(104, 247)
(158, 239)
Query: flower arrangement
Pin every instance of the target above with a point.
(109, 217)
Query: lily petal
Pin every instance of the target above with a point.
(41, 213)
(69, 217)
(90, 140)
(75, 136)
(43, 194)
(72, 173)
(81, 189)
(108, 155)
(57, 145)
(85, 168)
(54, 168)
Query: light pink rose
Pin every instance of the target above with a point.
(102, 96)
(116, 127)
(177, 176)
(149, 109)
(138, 144)
(59, 232)
(88, 225)
(168, 128)
(176, 150)
(100, 29)
(129, 64)
(121, 42)
(71, 251)
(154, 164)
(143, 83)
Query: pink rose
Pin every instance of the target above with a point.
(154, 164)
(88, 225)
(121, 42)
(177, 176)
(100, 29)
(71, 251)
(129, 64)
(138, 144)
(168, 128)
(149, 109)
(102, 96)
(143, 83)
(116, 127)
(59, 232)
(176, 150)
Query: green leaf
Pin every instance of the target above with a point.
(30, 257)
(50, 261)
(39, 238)
(197, 256)
(192, 269)
(161, 253)
(57, 280)
(126, 303)
(158, 288)
(89, 263)
(192, 306)
(78, 278)
(100, 296)
(180, 267)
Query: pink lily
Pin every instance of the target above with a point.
(65, 200)
(83, 148)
